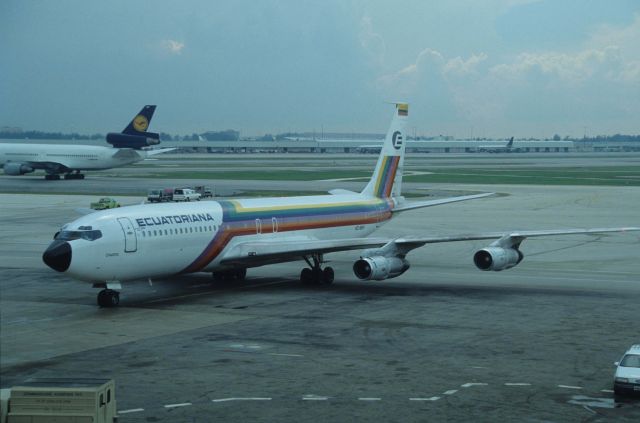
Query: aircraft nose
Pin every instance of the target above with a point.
(58, 255)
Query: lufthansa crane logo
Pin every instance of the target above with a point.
(396, 140)
(140, 123)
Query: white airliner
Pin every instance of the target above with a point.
(70, 160)
(226, 237)
(494, 148)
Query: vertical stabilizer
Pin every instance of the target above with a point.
(387, 177)
(140, 123)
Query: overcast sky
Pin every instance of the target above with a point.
(493, 68)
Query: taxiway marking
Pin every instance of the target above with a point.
(241, 399)
(184, 404)
(132, 410)
(287, 355)
(314, 398)
(468, 385)
(569, 387)
(425, 399)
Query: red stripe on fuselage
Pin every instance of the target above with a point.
(247, 227)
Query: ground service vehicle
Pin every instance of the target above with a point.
(185, 194)
(160, 195)
(627, 376)
(61, 400)
(105, 203)
(205, 192)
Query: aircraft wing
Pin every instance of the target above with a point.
(411, 205)
(505, 240)
(253, 254)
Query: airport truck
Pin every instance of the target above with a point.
(60, 400)
(160, 195)
(205, 192)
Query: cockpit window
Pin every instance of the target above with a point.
(71, 235)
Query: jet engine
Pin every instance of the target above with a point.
(15, 169)
(497, 258)
(119, 140)
(379, 268)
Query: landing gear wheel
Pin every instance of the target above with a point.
(108, 298)
(230, 275)
(315, 273)
(327, 275)
(240, 274)
(306, 276)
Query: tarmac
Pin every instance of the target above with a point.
(442, 342)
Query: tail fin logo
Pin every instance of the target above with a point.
(140, 123)
(397, 140)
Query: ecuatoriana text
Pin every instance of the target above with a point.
(170, 220)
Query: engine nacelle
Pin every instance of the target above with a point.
(497, 258)
(379, 268)
(119, 140)
(15, 169)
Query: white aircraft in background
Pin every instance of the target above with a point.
(226, 237)
(494, 148)
(70, 160)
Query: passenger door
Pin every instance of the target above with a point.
(130, 239)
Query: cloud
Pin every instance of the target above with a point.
(371, 41)
(172, 46)
(459, 66)
(571, 68)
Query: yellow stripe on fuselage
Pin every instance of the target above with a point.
(242, 209)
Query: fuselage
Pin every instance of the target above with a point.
(166, 239)
(76, 157)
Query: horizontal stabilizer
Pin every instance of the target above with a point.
(406, 205)
(340, 191)
(158, 151)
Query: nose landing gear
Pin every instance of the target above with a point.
(108, 298)
(315, 274)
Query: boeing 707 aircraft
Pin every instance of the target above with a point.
(226, 237)
(70, 160)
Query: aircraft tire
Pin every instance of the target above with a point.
(306, 275)
(102, 298)
(328, 275)
(108, 298)
(240, 274)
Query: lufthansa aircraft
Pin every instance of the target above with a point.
(70, 160)
(226, 237)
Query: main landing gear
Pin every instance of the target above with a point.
(230, 275)
(315, 274)
(74, 175)
(108, 298)
(71, 175)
